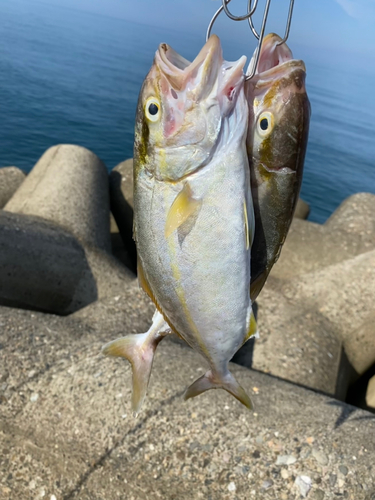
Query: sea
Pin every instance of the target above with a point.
(68, 76)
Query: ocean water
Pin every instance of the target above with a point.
(73, 77)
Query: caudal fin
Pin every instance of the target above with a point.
(139, 349)
(213, 381)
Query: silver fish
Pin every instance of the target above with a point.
(193, 215)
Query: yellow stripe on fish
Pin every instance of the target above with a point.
(246, 226)
(181, 294)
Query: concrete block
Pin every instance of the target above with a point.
(302, 210)
(311, 247)
(68, 186)
(360, 344)
(297, 343)
(111, 279)
(356, 217)
(41, 265)
(304, 323)
(124, 181)
(370, 394)
(10, 180)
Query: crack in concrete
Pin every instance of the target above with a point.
(98, 463)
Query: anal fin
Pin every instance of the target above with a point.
(139, 349)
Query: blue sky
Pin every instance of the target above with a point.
(343, 26)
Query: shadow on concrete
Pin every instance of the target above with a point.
(123, 214)
(43, 267)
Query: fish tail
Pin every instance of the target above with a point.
(139, 349)
(211, 380)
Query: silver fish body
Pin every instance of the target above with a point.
(200, 273)
(193, 212)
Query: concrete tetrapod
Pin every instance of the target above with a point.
(10, 180)
(349, 231)
(68, 186)
(41, 264)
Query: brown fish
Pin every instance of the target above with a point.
(279, 116)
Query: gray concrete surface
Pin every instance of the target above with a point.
(302, 210)
(10, 180)
(111, 278)
(343, 294)
(370, 394)
(68, 186)
(66, 429)
(41, 264)
(356, 216)
(304, 323)
(121, 179)
(297, 343)
(360, 344)
(310, 247)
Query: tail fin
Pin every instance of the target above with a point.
(139, 349)
(215, 381)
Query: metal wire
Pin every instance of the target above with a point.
(260, 39)
(259, 36)
(230, 15)
(288, 23)
(250, 11)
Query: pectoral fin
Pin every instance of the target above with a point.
(183, 207)
(214, 381)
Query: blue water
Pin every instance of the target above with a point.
(72, 77)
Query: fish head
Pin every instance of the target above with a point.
(181, 108)
(280, 114)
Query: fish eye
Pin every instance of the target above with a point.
(152, 109)
(265, 123)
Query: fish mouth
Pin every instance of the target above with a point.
(275, 60)
(203, 71)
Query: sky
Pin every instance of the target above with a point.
(344, 27)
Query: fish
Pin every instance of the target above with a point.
(193, 215)
(279, 117)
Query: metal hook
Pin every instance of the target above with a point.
(260, 38)
(288, 23)
(234, 18)
(250, 11)
(255, 33)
